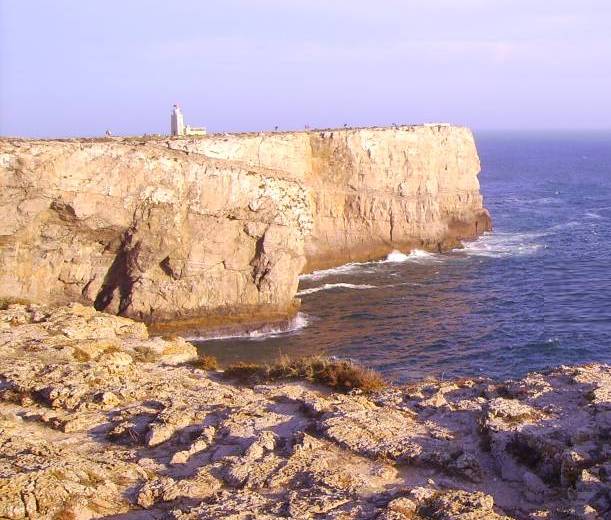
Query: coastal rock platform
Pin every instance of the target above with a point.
(100, 420)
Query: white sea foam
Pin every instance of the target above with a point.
(593, 215)
(416, 255)
(294, 325)
(536, 201)
(565, 225)
(499, 245)
(394, 257)
(334, 286)
(342, 269)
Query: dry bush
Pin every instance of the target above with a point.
(207, 362)
(81, 356)
(247, 372)
(339, 375)
(203, 362)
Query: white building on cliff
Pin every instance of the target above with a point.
(177, 124)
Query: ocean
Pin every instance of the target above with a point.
(534, 293)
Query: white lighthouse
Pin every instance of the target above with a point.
(178, 127)
(177, 121)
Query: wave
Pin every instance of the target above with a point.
(364, 267)
(500, 245)
(593, 215)
(565, 225)
(342, 269)
(396, 256)
(300, 321)
(414, 255)
(334, 286)
(536, 201)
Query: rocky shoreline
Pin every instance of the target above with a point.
(99, 420)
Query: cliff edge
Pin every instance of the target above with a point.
(218, 228)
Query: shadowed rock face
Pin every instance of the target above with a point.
(148, 232)
(98, 419)
(217, 229)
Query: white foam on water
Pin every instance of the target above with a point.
(500, 245)
(535, 201)
(334, 286)
(419, 255)
(416, 255)
(393, 257)
(547, 200)
(565, 225)
(396, 256)
(342, 269)
(300, 321)
(594, 215)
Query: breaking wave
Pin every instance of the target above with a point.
(364, 267)
(565, 225)
(499, 245)
(415, 255)
(593, 215)
(396, 256)
(334, 286)
(342, 269)
(300, 321)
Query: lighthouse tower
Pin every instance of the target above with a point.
(177, 122)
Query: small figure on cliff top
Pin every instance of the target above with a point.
(108, 133)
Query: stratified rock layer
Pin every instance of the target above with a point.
(218, 228)
(97, 420)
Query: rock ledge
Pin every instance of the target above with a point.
(99, 420)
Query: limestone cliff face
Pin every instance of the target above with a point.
(371, 190)
(147, 232)
(219, 227)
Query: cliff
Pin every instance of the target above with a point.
(218, 228)
(371, 190)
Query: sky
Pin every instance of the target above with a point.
(79, 67)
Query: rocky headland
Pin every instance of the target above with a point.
(216, 229)
(99, 420)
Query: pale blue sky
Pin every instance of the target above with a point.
(78, 67)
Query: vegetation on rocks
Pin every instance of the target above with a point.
(340, 375)
(207, 362)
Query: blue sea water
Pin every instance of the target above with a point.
(534, 293)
